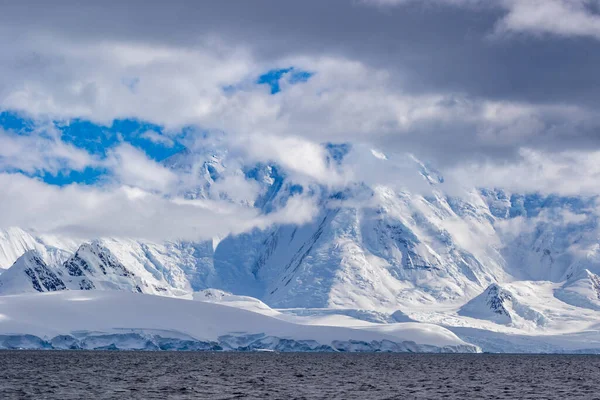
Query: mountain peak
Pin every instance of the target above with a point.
(492, 304)
(93, 258)
(581, 290)
(30, 274)
(93, 266)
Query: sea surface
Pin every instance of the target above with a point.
(189, 375)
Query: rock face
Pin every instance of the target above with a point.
(496, 297)
(492, 305)
(94, 259)
(94, 267)
(30, 274)
(595, 284)
(91, 267)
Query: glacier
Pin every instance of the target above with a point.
(498, 271)
(104, 320)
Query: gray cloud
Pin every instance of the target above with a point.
(433, 46)
(447, 79)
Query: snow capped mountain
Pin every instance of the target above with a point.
(582, 290)
(94, 267)
(30, 274)
(14, 242)
(398, 249)
(486, 259)
(91, 267)
(500, 305)
(492, 304)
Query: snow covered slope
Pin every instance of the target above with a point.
(14, 242)
(104, 320)
(374, 248)
(492, 304)
(500, 305)
(94, 267)
(91, 267)
(582, 290)
(30, 274)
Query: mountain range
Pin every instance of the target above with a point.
(494, 270)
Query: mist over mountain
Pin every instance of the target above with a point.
(485, 259)
(369, 175)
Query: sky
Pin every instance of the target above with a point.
(95, 95)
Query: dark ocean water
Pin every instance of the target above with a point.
(164, 375)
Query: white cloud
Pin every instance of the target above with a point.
(537, 17)
(558, 17)
(132, 167)
(346, 100)
(236, 188)
(121, 211)
(304, 160)
(157, 138)
(569, 173)
(70, 79)
(511, 229)
(570, 217)
(41, 150)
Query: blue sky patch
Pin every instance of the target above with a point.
(88, 176)
(97, 140)
(13, 122)
(273, 77)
